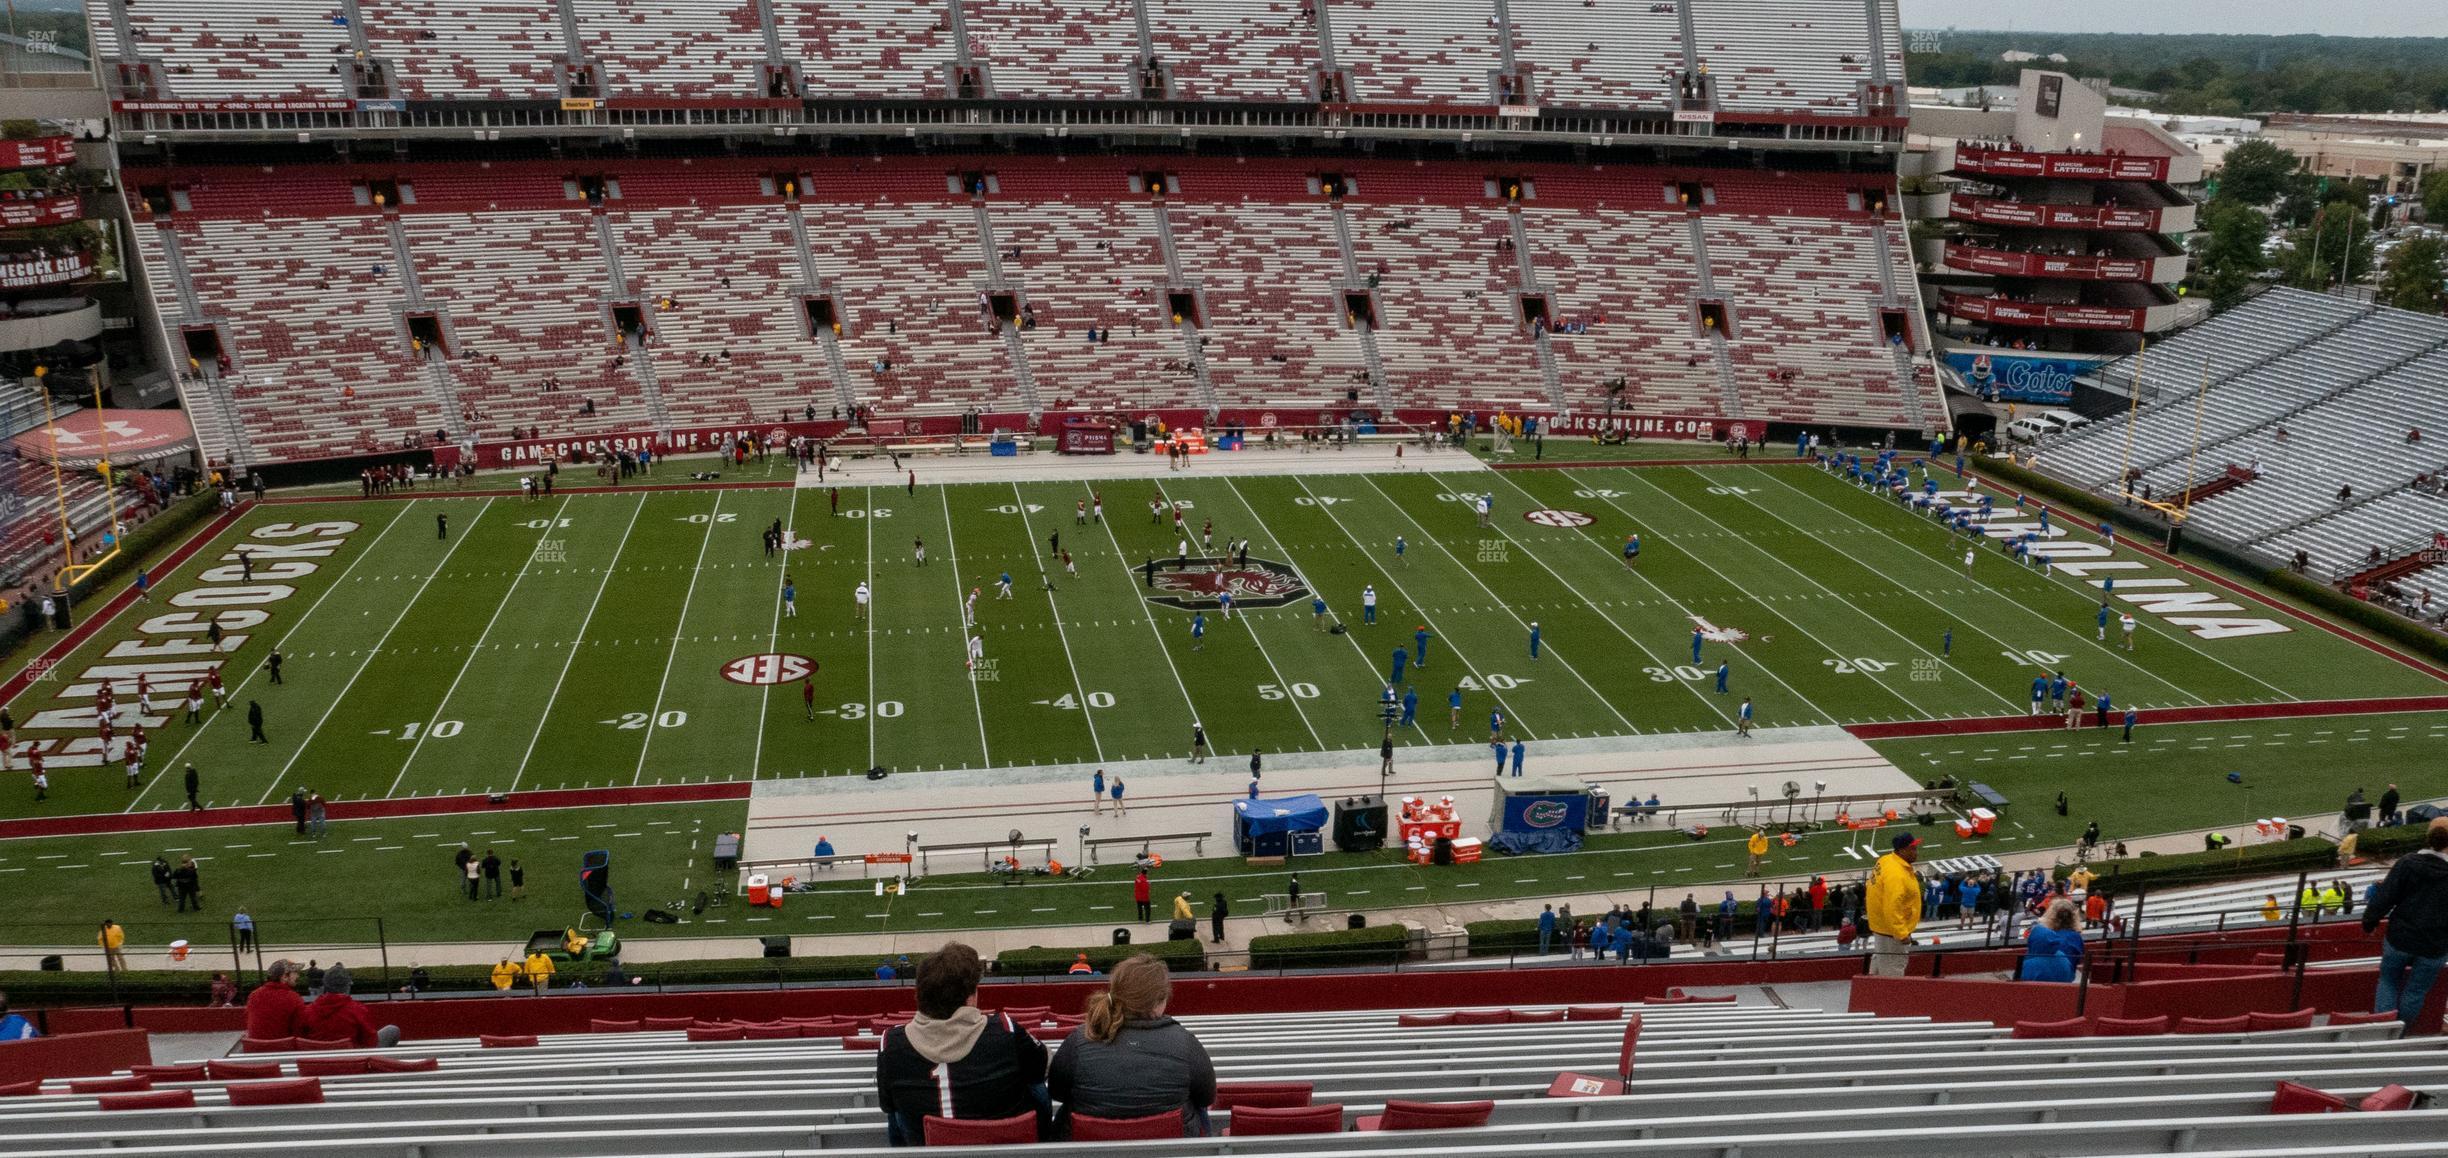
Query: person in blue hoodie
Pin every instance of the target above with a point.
(2056, 945)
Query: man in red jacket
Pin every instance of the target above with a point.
(272, 1010)
(1139, 894)
(336, 1016)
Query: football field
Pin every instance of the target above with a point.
(641, 637)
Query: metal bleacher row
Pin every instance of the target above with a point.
(2312, 393)
(1703, 1079)
(310, 286)
(1763, 55)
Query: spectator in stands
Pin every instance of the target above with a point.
(272, 1010)
(2413, 899)
(954, 1061)
(1128, 1060)
(336, 1016)
(1894, 906)
(224, 993)
(2055, 946)
(12, 1026)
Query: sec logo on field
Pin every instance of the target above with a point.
(770, 668)
(1555, 518)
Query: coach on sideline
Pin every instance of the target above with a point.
(1893, 907)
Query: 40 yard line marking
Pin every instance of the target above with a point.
(673, 657)
(311, 608)
(773, 642)
(427, 731)
(952, 556)
(1087, 713)
(576, 642)
(464, 535)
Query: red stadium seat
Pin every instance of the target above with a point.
(21, 1089)
(1593, 1013)
(1027, 1014)
(1720, 999)
(1404, 1115)
(1254, 1121)
(187, 1072)
(855, 1044)
(2300, 1019)
(2237, 1024)
(2361, 1018)
(403, 1065)
(126, 1084)
(267, 1045)
(2130, 1026)
(1539, 1016)
(234, 1071)
(325, 1044)
(2390, 1097)
(1017, 1130)
(150, 1100)
(1583, 1086)
(1090, 1128)
(670, 1022)
(506, 1040)
(1267, 1095)
(599, 1025)
(1631, 1040)
(1421, 1019)
(292, 1092)
(332, 1067)
(772, 1032)
(2070, 1027)
(2294, 1098)
(1482, 1016)
(716, 1033)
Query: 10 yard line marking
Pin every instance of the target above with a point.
(376, 650)
(712, 520)
(1087, 714)
(439, 708)
(588, 621)
(952, 555)
(285, 636)
(790, 522)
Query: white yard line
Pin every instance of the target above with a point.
(440, 708)
(872, 600)
(464, 534)
(713, 520)
(952, 556)
(1511, 716)
(1366, 663)
(773, 641)
(1499, 601)
(1087, 711)
(2010, 601)
(575, 643)
(172, 759)
(1731, 585)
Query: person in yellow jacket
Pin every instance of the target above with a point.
(2269, 908)
(2332, 899)
(506, 974)
(1893, 907)
(1181, 908)
(539, 971)
(2309, 903)
(1757, 846)
(112, 939)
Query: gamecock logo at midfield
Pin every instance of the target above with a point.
(1198, 585)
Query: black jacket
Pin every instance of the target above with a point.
(1152, 1066)
(992, 1080)
(2414, 900)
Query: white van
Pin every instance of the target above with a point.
(2065, 419)
(2030, 429)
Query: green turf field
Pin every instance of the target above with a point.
(2170, 778)
(584, 640)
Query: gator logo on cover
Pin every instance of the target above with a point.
(1545, 813)
(1199, 585)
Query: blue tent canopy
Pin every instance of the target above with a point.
(1285, 814)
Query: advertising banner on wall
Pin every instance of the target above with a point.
(2006, 376)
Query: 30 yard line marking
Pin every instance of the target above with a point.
(172, 761)
(443, 706)
(584, 622)
(952, 556)
(673, 656)
(385, 637)
(2102, 648)
(773, 642)
(1087, 712)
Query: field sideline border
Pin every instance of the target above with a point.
(107, 823)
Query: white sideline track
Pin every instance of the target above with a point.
(978, 466)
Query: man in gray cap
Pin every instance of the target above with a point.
(336, 1016)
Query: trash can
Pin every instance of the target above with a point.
(1356, 921)
(1182, 929)
(1121, 937)
(777, 946)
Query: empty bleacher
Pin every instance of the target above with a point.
(258, 49)
(681, 48)
(1704, 1079)
(1055, 49)
(467, 49)
(1235, 50)
(867, 48)
(1771, 55)
(1412, 51)
(1629, 58)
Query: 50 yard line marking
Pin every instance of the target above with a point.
(673, 657)
(587, 621)
(464, 534)
(1246, 621)
(427, 731)
(396, 518)
(773, 642)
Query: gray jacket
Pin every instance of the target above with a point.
(1152, 1066)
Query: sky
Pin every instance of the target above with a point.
(2265, 17)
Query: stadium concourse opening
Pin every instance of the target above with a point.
(1161, 498)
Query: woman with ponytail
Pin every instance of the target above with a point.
(1128, 1060)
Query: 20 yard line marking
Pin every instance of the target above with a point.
(396, 518)
(587, 621)
(440, 708)
(377, 649)
(713, 520)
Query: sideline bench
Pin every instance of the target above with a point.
(1198, 842)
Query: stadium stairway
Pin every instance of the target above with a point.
(1704, 1078)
